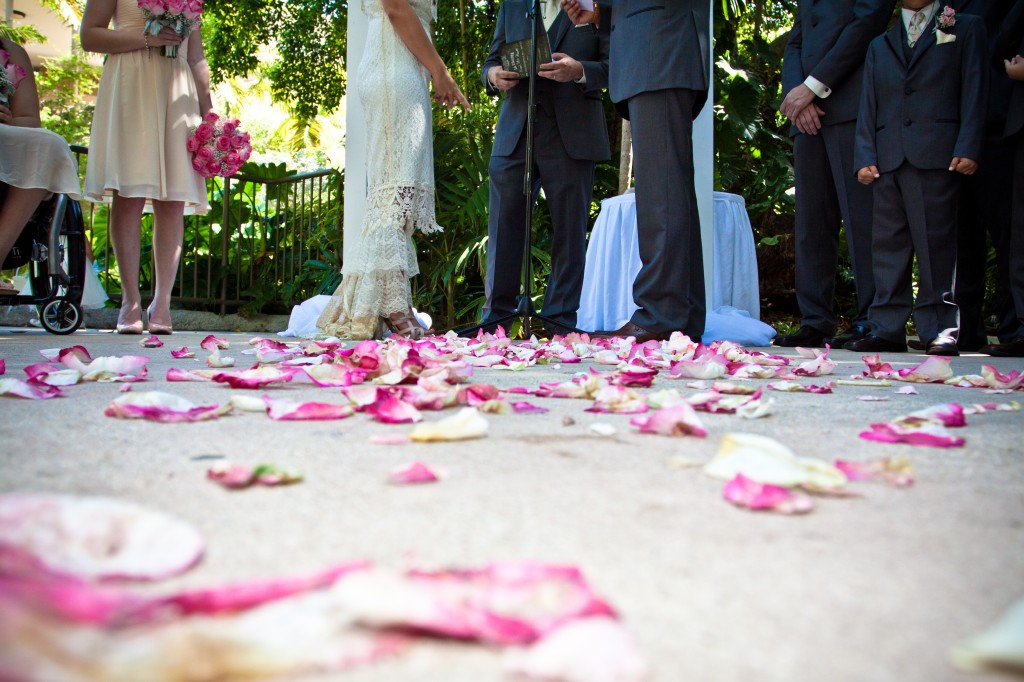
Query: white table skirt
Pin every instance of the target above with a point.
(613, 261)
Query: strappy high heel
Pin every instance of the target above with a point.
(406, 325)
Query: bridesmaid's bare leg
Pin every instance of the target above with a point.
(17, 209)
(168, 231)
(126, 237)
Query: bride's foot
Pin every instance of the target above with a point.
(129, 319)
(157, 327)
(404, 323)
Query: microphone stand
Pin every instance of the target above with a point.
(525, 309)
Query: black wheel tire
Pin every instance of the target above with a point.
(60, 316)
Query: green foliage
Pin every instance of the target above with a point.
(66, 87)
(21, 34)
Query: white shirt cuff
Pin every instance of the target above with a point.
(583, 80)
(817, 87)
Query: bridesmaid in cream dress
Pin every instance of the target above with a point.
(137, 157)
(33, 162)
(393, 84)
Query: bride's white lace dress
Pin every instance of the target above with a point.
(394, 91)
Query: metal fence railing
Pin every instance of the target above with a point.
(253, 247)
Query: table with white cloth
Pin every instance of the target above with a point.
(613, 261)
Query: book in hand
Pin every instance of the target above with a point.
(516, 56)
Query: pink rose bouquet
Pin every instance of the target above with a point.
(10, 76)
(180, 15)
(219, 146)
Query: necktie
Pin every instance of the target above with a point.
(914, 29)
(551, 10)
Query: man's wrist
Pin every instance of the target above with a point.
(817, 87)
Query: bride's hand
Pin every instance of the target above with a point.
(5, 114)
(446, 91)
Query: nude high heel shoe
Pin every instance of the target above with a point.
(155, 328)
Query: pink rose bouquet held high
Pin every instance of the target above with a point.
(219, 146)
(180, 15)
(10, 76)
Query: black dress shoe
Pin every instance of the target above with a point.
(806, 337)
(970, 345)
(876, 344)
(857, 331)
(917, 344)
(1014, 348)
(640, 334)
(942, 345)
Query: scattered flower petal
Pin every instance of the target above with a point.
(162, 407)
(290, 410)
(744, 492)
(254, 378)
(467, 423)
(1000, 646)
(766, 460)
(413, 473)
(151, 342)
(17, 388)
(586, 650)
(602, 429)
(677, 420)
(892, 470)
(182, 352)
(239, 476)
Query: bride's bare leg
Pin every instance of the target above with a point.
(126, 238)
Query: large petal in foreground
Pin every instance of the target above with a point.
(158, 406)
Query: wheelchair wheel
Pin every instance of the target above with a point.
(60, 316)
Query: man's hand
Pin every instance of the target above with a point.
(963, 165)
(809, 119)
(796, 101)
(563, 69)
(501, 79)
(867, 175)
(576, 14)
(1015, 68)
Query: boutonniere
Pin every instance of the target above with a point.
(944, 22)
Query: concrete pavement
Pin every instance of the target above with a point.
(871, 589)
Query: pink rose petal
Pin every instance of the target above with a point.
(239, 476)
(334, 375)
(254, 378)
(16, 388)
(676, 420)
(412, 473)
(744, 492)
(175, 374)
(587, 650)
(162, 407)
(525, 406)
(288, 410)
(182, 352)
(893, 470)
(930, 434)
(151, 342)
(392, 410)
(935, 369)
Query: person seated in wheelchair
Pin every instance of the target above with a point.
(34, 163)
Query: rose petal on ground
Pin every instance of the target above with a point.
(756, 407)
(602, 429)
(744, 492)
(930, 434)
(105, 369)
(766, 460)
(390, 439)
(3, 367)
(907, 390)
(98, 537)
(175, 374)
(817, 367)
(935, 369)
(467, 423)
(412, 473)
(238, 476)
(248, 403)
(676, 420)
(501, 604)
(75, 357)
(334, 375)
(709, 367)
(165, 408)
(618, 400)
(863, 383)
(151, 342)
(1000, 646)
(995, 379)
(215, 361)
(586, 650)
(892, 470)
(290, 410)
(254, 378)
(43, 373)
(182, 352)
(213, 343)
(17, 388)
(525, 406)
(873, 398)
(392, 410)
(947, 414)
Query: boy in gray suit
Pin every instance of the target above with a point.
(920, 129)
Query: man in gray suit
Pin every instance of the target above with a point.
(920, 129)
(659, 74)
(570, 136)
(822, 74)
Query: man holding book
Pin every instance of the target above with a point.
(570, 136)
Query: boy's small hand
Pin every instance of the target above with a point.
(1015, 68)
(867, 175)
(963, 165)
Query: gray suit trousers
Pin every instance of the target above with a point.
(915, 213)
(1016, 258)
(827, 191)
(568, 186)
(669, 289)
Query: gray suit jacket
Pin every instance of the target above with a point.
(828, 41)
(928, 110)
(578, 109)
(658, 45)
